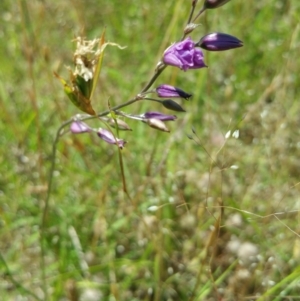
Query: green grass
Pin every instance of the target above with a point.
(218, 233)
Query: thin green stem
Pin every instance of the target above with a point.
(192, 11)
(157, 73)
(59, 133)
(200, 12)
(153, 99)
(17, 284)
(45, 211)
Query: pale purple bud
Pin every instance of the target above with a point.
(79, 127)
(167, 91)
(157, 124)
(184, 55)
(172, 105)
(210, 4)
(218, 41)
(158, 116)
(108, 137)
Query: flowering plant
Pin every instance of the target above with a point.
(184, 54)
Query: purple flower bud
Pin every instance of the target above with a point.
(108, 137)
(210, 4)
(172, 105)
(218, 41)
(170, 91)
(79, 127)
(184, 55)
(158, 116)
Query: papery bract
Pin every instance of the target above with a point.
(117, 123)
(108, 137)
(184, 55)
(168, 91)
(190, 27)
(218, 41)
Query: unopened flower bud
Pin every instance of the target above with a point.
(167, 91)
(210, 4)
(172, 105)
(79, 127)
(158, 116)
(117, 123)
(157, 124)
(218, 41)
(108, 137)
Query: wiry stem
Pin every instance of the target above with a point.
(15, 282)
(59, 133)
(157, 73)
(194, 3)
(200, 12)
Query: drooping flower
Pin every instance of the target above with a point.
(184, 55)
(158, 116)
(167, 91)
(79, 127)
(156, 120)
(218, 41)
(157, 124)
(108, 137)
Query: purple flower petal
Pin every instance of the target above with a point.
(167, 91)
(108, 137)
(158, 116)
(184, 55)
(198, 59)
(79, 127)
(172, 60)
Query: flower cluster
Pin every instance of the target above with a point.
(185, 55)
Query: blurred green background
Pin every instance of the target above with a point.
(214, 217)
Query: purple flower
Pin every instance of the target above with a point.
(158, 116)
(167, 91)
(108, 137)
(218, 41)
(79, 127)
(184, 55)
